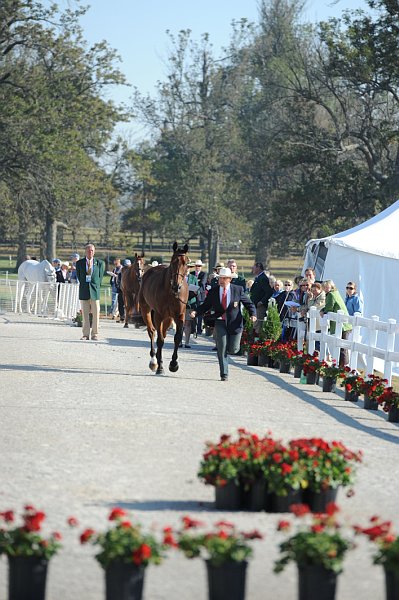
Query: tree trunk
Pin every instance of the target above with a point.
(214, 254)
(51, 237)
(144, 234)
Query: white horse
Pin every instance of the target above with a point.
(32, 273)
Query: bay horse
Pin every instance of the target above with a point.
(130, 286)
(164, 290)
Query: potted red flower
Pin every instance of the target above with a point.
(387, 552)
(225, 550)
(283, 352)
(372, 388)
(311, 368)
(234, 466)
(318, 546)
(327, 466)
(125, 551)
(297, 360)
(285, 475)
(352, 383)
(389, 401)
(28, 552)
(329, 371)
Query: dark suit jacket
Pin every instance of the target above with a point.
(90, 291)
(234, 320)
(261, 290)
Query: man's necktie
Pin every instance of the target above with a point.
(224, 302)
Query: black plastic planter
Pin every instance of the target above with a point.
(252, 360)
(393, 415)
(329, 384)
(281, 504)
(297, 371)
(124, 581)
(226, 581)
(311, 378)
(228, 497)
(317, 501)
(285, 366)
(27, 578)
(316, 583)
(369, 403)
(392, 584)
(351, 396)
(255, 498)
(263, 360)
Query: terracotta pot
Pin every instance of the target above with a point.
(329, 384)
(27, 578)
(263, 360)
(393, 415)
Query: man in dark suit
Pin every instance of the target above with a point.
(237, 280)
(201, 276)
(260, 293)
(225, 300)
(90, 272)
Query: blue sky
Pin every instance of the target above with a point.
(136, 29)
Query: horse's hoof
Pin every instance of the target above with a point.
(153, 366)
(159, 370)
(173, 367)
(126, 325)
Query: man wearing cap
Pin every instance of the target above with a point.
(74, 258)
(201, 277)
(90, 272)
(225, 300)
(58, 273)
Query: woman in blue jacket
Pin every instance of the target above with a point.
(353, 301)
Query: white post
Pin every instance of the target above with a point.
(16, 297)
(372, 344)
(390, 348)
(355, 339)
(312, 329)
(323, 337)
(36, 296)
(338, 337)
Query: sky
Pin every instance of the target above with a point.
(137, 29)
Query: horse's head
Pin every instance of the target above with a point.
(138, 265)
(178, 267)
(48, 272)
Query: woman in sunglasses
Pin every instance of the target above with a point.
(353, 301)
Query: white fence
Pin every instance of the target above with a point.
(378, 340)
(52, 300)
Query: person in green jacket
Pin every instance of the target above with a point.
(90, 273)
(334, 303)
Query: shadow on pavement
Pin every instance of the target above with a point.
(329, 409)
(156, 505)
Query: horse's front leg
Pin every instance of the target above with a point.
(174, 365)
(160, 342)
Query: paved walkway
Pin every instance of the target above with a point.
(86, 426)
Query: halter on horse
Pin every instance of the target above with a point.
(164, 290)
(130, 286)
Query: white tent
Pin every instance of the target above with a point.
(367, 254)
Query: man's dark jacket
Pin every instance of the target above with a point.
(234, 320)
(261, 290)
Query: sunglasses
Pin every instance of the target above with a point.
(348, 287)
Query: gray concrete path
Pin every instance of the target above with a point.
(85, 426)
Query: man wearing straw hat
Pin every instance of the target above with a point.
(225, 300)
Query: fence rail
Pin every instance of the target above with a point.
(370, 338)
(53, 300)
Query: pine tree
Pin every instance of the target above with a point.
(271, 327)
